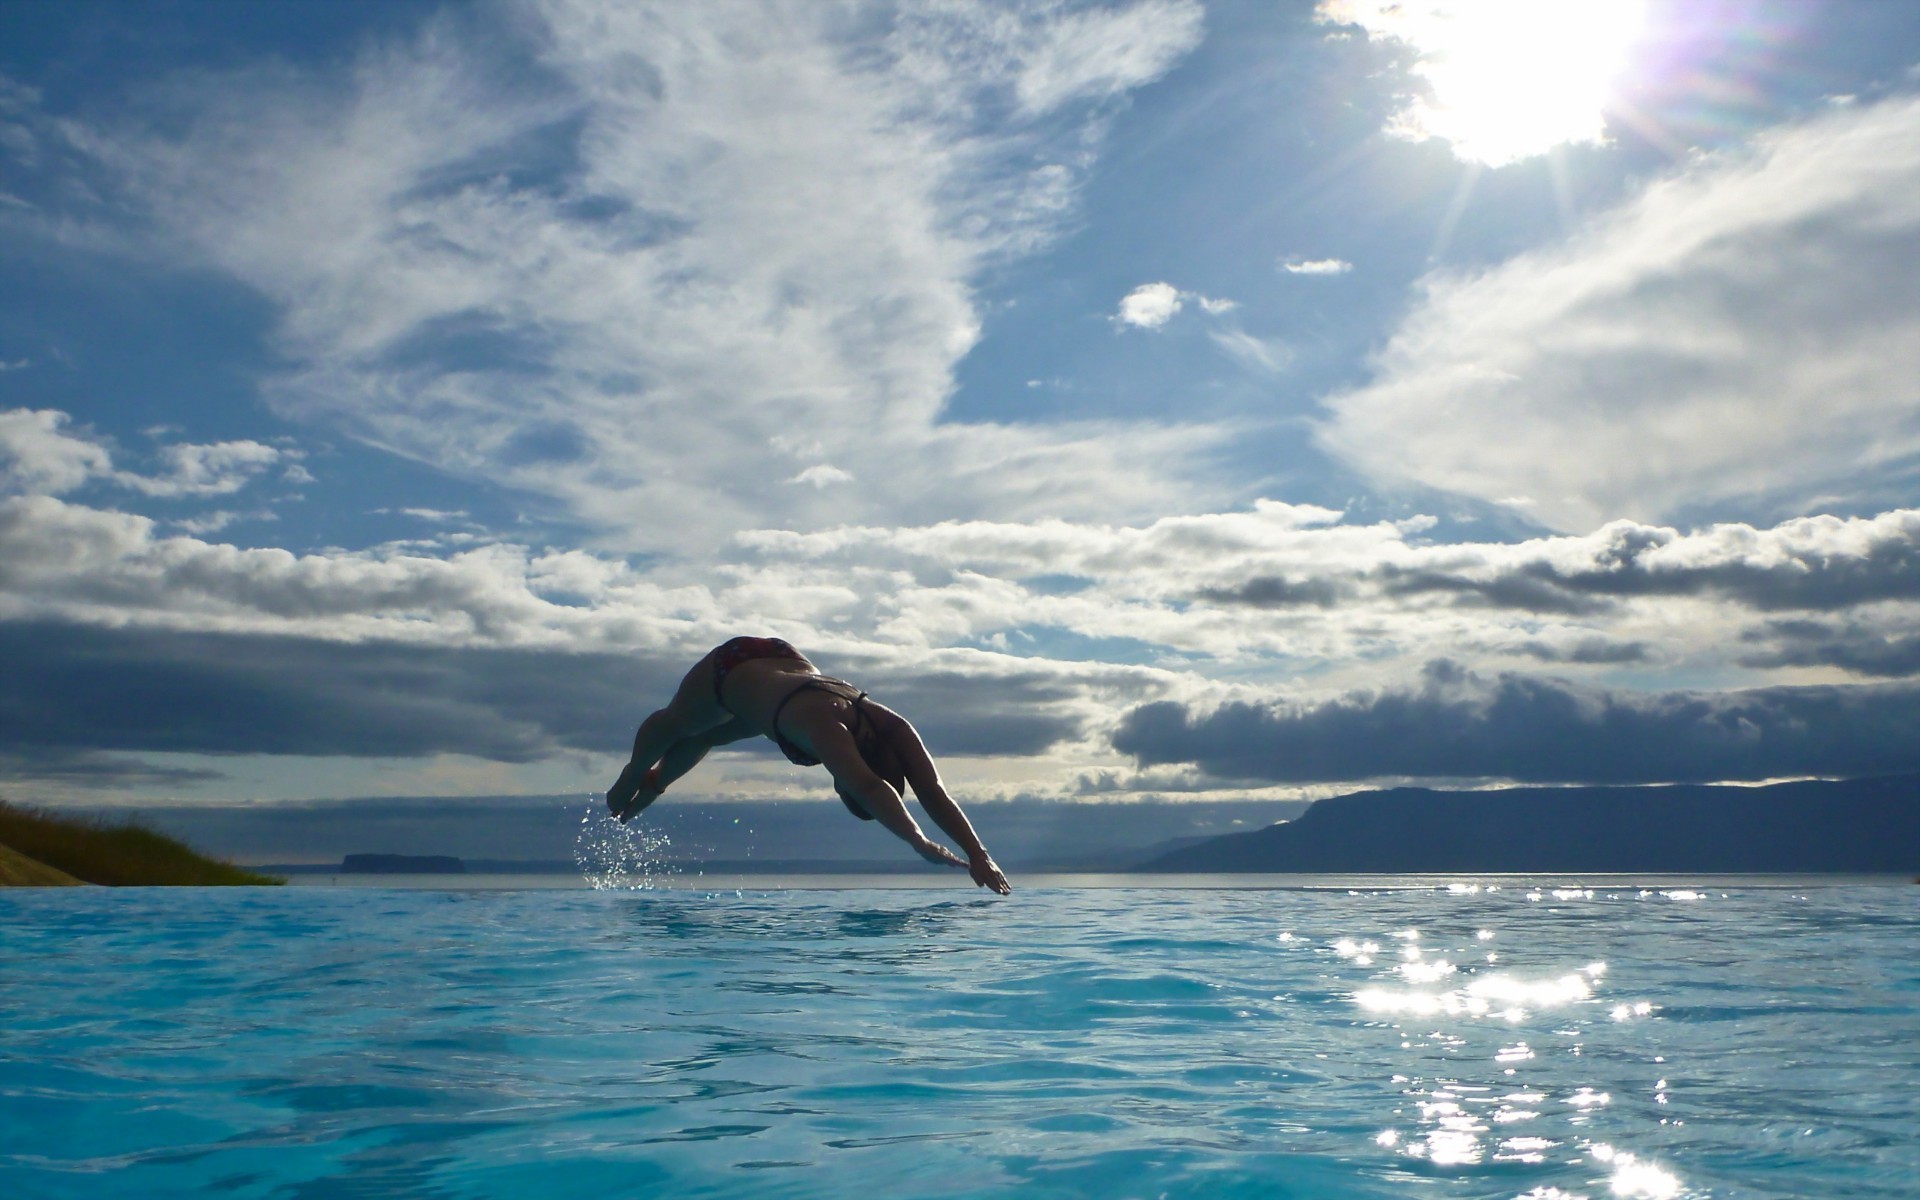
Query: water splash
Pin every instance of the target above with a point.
(615, 858)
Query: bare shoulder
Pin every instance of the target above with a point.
(885, 719)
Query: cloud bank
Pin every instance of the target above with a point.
(1004, 640)
(1459, 725)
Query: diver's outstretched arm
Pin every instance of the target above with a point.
(932, 794)
(852, 776)
(924, 778)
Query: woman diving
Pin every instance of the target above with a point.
(755, 686)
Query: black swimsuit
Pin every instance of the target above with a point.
(743, 649)
(833, 687)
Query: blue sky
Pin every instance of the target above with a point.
(1154, 399)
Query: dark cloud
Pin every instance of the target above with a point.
(75, 691)
(143, 690)
(89, 768)
(1589, 651)
(1532, 588)
(1819, 564)
(1850, 646)
(1018, 714)
(1279, 591)
(1456, 724)
(1880, 563)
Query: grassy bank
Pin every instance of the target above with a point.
(17, 870)
(117, 854)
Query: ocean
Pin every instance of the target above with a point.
(1498, 1037)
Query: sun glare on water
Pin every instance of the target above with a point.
(1505, 79)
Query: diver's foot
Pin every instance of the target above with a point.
(623, 796)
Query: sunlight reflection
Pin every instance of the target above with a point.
(1456, 1139)
(1498, 993)
(1633, 1178)
(1359, 953)
(1524, 1149)
(1426, 972)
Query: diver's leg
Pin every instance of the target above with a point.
(693, 711)
(685, 754)
(638, 789)
(623, 798)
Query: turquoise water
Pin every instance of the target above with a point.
(1547, 1042)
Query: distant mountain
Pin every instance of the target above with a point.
(1855, 825)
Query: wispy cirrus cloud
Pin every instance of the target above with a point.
(621, 261)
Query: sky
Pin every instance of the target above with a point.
(1153, 400)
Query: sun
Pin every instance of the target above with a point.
(1505, 79)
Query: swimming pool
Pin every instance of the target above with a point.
(1492, 1038)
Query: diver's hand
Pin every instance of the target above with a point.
(987, 874)
(934, 852)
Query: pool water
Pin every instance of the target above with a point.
(1540, 1039)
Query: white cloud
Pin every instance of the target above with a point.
(1152, 305)
(98, 567)
(1149, 306)
(823, 475)
(439, 516)
(1316, 266)
(37, 456)
(215, 469)
(1741, 337)
(764, 223)
(214, 522)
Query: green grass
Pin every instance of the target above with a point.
(117, 854)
